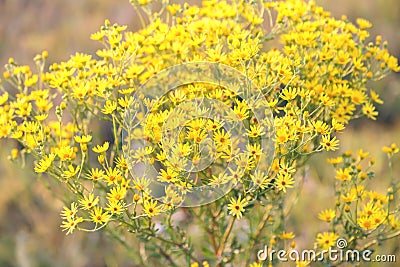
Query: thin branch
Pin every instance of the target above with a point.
(225, 237)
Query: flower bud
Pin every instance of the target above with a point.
(101, 159)
(63, 105)
(84, 147)
(6, 75)
(14, 153)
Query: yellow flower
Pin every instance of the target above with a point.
(173, 8)
(116, 193)
(83, 139)
(326, 100)
(254, 150)
(366, 223)
(41, 117)
(329, 143)
(70, 172)
(31, 81)
(377, 197)
(393, 149)
(315, 83)
(259, 178)
(169, 176)
(6, 75)
(320, 127)
(68, 213)
(302, 263)
(95, 174)
(218, 180)
(375, 97)
(113, 176)
(214, 124)
(115, 207)
(65, 153)
(394, 221)
(216, 54)
(97, 36)
(255, 131)
(288, 94)
(282, 135)
(45, 163)
(3, 98)
(98, 216)
(327, 215)
(141, 184)
(337, 126)
(126, 91)
(326, 240)
(177, 96)
(241, 111)
(342, 57)
(285, 168)
(286, 235)
(125, 101)
(101, 148)
(88, 202)
(369, 110)
(236, 207)
(362, 154)
(121, 163)
(350, 197)
(183, 149)
(144, 2)
(109, 107)
(370, 209)
(358, 97)
(284, 181)
(80, 91)
(363, 23)
(70, 224)
(343, 174)
(335, 161)
(150, 208)
(14, 153)
(222, 139)
(30, 127)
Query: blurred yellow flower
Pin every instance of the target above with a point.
(101, 148)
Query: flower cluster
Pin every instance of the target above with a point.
(360, 214)
(315, 83)
(361, 209)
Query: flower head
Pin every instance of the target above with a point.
(236, 207)
(284, 181)
(101, 148)
(326, 240)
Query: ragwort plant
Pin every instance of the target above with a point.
(314, 82)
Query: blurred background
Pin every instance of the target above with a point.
(29, 215)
